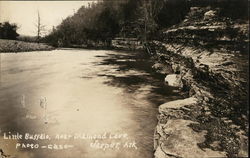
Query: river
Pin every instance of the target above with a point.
(87, 92)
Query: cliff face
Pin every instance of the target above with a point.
(207, 57)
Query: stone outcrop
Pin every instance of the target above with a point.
(207, 57)
(174, 80)
(126, 44)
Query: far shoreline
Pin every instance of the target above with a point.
(15, 46)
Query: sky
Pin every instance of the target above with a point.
(24, 13)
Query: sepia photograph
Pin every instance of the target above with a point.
(124, 78)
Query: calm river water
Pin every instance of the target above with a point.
(112, 95)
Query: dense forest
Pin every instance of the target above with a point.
(8, 31)
(101, 21)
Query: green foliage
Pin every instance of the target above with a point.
(171, 12)
(235, 9)
(99, 22)
(102, 21)
(8, 31)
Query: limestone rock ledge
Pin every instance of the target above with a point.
(201, 58)
(174, 138)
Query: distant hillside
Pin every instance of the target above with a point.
(101, 22)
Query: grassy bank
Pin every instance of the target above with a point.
(20, 46)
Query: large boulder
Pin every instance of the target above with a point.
(162, 68)
(179, 140)
(178, 104)
(209, 14)
(174, 80)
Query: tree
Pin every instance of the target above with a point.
(39, 27)
(102, 21)
(171, 12)
(8, 31)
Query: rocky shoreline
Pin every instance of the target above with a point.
(213, 119)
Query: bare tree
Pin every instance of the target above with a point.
(40, 28)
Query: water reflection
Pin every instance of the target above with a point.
(91, 92)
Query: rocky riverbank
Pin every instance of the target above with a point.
(207, 57)
(126, 44)
(20, 46)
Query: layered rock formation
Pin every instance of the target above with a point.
(207, 57)
(126, 44)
